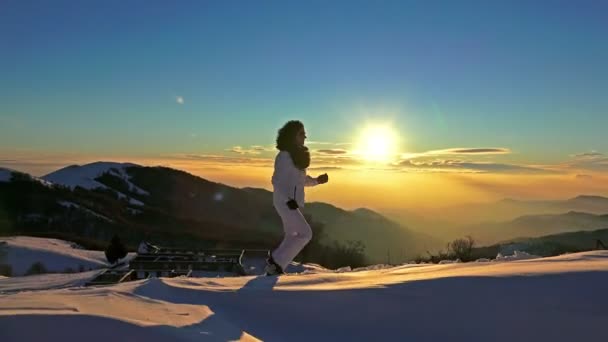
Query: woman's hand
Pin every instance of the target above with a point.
(324, 178)
(292, 204)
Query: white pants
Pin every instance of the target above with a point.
(297, 234)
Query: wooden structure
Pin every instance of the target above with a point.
(174, 262)
(110, 276)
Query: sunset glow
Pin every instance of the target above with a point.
(378, 143)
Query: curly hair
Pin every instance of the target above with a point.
(286, 142)
(287, 135)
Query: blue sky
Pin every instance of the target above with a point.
(103, 77)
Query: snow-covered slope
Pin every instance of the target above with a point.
(7, 174)
(69, 204)
(84, 176)
(20, 252)
(545, 299)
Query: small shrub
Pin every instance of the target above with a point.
(36, 268)
(461, 248)
(116, 250)
(6, 270)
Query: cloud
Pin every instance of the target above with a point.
(179, 100)
(338, 159)
(333, 151)
(221, 159)
(593, 164)
(325, 168)
(468, 167)
(592, 154)
(476, 151)
(459, 151)
(328, 143)
(588, 161)
(584, 177)
(318, 143)
(240, 150)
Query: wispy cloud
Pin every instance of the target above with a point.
(221, 159)
(179, 100)
(599, 164)
(469, 167)
(458, 151)
(587, 161)
(318, 143)
(308, 142)
(252, 150)
(333, 151)
(582, 167)
(325, 168)
(592, 154)
(475, 151)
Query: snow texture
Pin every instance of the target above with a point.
(6, 175)
(519, 300)
(85, 175)
(69, 204)
(517, 255)
(21, 252)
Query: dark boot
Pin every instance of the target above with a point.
(272, 268)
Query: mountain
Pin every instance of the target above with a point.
(7, 175)
(511, 208)
(385, 240)
(96, 200)
(78, 208)
(534, 226)
(555, 244)
(455, 221)
(436, 225)
(548, 245)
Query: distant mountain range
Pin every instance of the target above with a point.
(565, 242)
(508, 218)
(549, 245)
(94, 201)
(508, 208)
(535, 225)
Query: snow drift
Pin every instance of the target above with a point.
(21, 252)
(558, 299)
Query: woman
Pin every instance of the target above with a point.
(288, 181)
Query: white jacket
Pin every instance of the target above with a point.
(288, 181)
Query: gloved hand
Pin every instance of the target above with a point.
(324, 178)
(292, 204)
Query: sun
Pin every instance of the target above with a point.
(377, 143)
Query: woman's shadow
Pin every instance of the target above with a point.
(258, 283)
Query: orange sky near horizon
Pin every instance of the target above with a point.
(363, 187)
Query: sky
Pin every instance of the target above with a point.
(480, 99)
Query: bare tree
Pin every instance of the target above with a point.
(462, 248)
